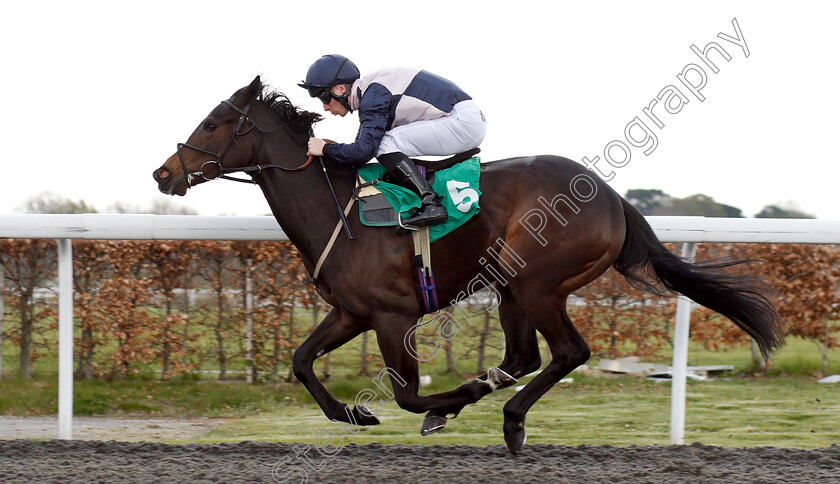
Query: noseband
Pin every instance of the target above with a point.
(253, 169)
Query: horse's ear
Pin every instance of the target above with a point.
(247, 93)
(254, 88)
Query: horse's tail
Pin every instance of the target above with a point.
(741, 298)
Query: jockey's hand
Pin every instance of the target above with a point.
(316, 147)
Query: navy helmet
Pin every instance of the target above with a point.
(329, 71)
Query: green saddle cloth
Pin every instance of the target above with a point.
(458, 187)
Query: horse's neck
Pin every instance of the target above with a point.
(303, 205)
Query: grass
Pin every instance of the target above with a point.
(797, 357)
(782, 412)
(784, 407)
(138, 397)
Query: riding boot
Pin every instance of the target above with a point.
(431, 212)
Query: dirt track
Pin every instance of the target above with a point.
(99, 428)
(97, 461)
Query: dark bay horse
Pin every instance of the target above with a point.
(546, 228)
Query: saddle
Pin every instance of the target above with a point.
(437, 165)
(459, 187)
(375, 208)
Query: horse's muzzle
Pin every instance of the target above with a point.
(166, 183)
(161, 174)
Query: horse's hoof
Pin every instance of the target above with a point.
(499, 378)
(515, 437)
(432, 423)
(364, 416)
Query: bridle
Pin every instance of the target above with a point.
(253, 169)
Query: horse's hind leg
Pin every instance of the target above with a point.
(522, 351)
(522, 355)
(568, 351)
(402, 366)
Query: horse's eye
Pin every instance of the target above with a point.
(209, 126)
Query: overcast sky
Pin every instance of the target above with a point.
(97, 94)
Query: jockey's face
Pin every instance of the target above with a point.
(334, 106)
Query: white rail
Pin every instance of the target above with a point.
(747, 230)
(692, 230)
(193, 227)
(94, 226)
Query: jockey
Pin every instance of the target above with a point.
(402, 112)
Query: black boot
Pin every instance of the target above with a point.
(431, 212)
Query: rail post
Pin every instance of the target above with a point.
(249, 319)
(680, 362)
(65, 339)
(2, 314)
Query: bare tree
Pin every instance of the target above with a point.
(51, 202)
(159, 206)
(165, 206)
(2, 315)
(28, 265)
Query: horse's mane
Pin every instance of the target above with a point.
(298, 120)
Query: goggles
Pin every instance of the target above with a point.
(323, 94)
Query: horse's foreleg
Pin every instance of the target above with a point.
(522, 355)
(336, 329)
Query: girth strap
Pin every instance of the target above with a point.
(422, 259)
(423, 264)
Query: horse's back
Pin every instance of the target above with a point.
(555, 211)
(557, 186)
(550, 167)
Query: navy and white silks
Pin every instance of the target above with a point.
(411, 111)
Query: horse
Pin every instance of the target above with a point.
(546, 228)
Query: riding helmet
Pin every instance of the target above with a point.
(329, 71)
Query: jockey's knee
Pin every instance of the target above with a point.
(390, 160)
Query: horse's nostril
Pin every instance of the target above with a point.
(163, 174)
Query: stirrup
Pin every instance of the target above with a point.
(425, 213)
(407, 228)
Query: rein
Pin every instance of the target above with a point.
(255, 169)
(250, 170)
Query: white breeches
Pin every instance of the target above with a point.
(461, 131)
